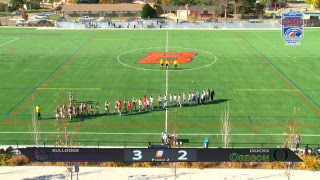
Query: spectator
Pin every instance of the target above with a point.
(206, 143)
(297, 141)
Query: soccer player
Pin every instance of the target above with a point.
(129, 107)
(175, 63)
(184, 98)
(70, 113)
(125, 109)
(170, 99)
(97, 108)
(119, 107)
(147, 105)
(74, 111)
(189, 98)
(161, 64)
(71, 96)
(134, 103)
(106, 107)
(151, 103)
(139, 104)
(91, 109)
(57, 116)
(116, 106)
(167, 64)
(85, 108)
(164, 101)
(160, 101)
(145, 102)
(212, 94)
(179, 100)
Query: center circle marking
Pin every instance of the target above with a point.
(197, 50)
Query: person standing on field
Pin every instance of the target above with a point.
(167, 64)
(175, 63)
(38, 111)
(161, 64)
(212, 94)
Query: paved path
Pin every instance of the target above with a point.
(101, 173)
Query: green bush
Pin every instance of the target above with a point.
(245, 16)
(2, 7)
(148, 12)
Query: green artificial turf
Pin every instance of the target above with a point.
(253, 73)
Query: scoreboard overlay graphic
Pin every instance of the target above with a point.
(292, 27)
(54, 154)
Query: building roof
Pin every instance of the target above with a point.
(5, 1)
(102, 7)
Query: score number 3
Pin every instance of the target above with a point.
(137, 155)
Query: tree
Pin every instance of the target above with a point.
(17, 3)
(290, 141)
(194, 16)
(237, 4)
(35, 126)
(314, 3)
(53, 1)
(86, 1)
(225, 127)
(148, 12)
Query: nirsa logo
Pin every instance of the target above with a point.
(65, 150)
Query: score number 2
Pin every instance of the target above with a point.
(137, 155)
(183, 157)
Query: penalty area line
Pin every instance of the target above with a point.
(9, 42)
(182, 134)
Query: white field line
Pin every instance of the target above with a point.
(167, 74)
(9, 42)
(63, 44)
(270, 43)
(159, 134)
(282, 52)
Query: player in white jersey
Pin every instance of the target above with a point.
(151, 102)
(160, 101)
(207, 96)
(175, 99)
(189, 98)
(148, 105)
(139, 104)
(170, 99)
(179, 100)
(184, 98)
(164, 101)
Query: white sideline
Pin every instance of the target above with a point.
(180, 134)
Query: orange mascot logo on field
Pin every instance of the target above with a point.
(154, 57)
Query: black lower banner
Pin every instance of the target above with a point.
(54, 154)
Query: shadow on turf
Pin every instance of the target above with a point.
(135, 112)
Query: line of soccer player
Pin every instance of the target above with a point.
(173, 100)
(137, 105)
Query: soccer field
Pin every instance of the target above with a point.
(266, 85)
